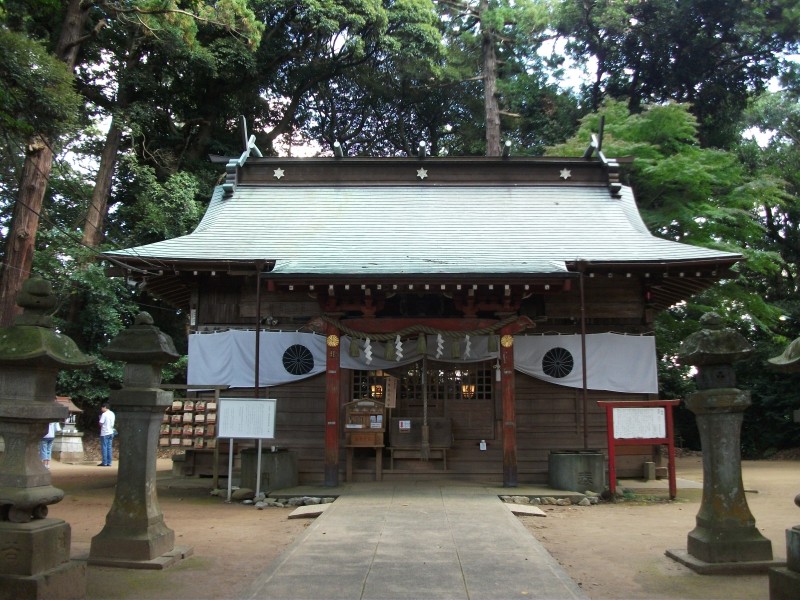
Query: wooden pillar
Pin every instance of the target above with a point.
(509, 410)
(332, 392)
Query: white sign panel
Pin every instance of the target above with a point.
(639, 423)
(252, 418)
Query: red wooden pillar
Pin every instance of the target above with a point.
(332, 385)
(509, 410)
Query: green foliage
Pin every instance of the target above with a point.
(714, 198)
(109, 306)
(159, 210)
(36, 90)
(686, 192)
(714, 55)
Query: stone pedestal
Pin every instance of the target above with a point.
(784, 582)
(135, 530)
(725, 539)
(68, 445)
(135, 535)
(34, 550)
(36, 561)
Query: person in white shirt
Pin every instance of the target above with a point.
(107, 419)
(46, 443)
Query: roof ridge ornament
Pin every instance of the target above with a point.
(234, 164)
(611, 165)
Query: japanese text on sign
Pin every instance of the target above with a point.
(252, 418)
(639, 423)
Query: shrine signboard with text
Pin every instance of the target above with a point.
(640, 424)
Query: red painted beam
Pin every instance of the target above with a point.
(332, 387)
(507, 393)
(392, 325)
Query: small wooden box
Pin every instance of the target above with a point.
(365, 438)
(365, 423)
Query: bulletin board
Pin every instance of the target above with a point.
(251, 418)
(640, 423)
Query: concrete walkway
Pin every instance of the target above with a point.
(423, 540)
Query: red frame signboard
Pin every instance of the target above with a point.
(640, 424)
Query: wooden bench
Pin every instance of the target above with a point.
(416, 453)
(405, 439)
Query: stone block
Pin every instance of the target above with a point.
(648, 471)
(784, 584)
(793, 548)
(65, 582)
(27, 549)
(729, 545)
(119, 542)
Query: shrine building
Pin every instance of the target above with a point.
(413, 317)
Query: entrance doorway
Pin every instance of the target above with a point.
(464, 393)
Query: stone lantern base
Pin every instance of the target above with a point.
(784, 582)
(46, 573)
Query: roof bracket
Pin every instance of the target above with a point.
(610, 164)
(234, 164)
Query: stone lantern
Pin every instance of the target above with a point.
(784, 582)
(34, 550)
(725, 539)
(135, 535)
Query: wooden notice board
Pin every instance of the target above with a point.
(640, 424)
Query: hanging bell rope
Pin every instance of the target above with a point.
(425, 445)
(422, 343)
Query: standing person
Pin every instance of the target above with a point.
(107, 419)
(46, 443)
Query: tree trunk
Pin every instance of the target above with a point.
(491, 107)
(18, 258)
(93, 227)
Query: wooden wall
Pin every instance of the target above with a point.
(549, 417)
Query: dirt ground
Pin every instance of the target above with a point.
(611, 550)
(617, 550)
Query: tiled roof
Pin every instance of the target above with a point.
(421, 229)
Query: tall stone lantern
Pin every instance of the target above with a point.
(725, 539)
(135, 535)
(784, 582)
(34, 550)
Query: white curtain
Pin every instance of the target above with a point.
(619, 363)
(228, 358)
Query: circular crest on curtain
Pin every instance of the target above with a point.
(298, 360)
(557, 362)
